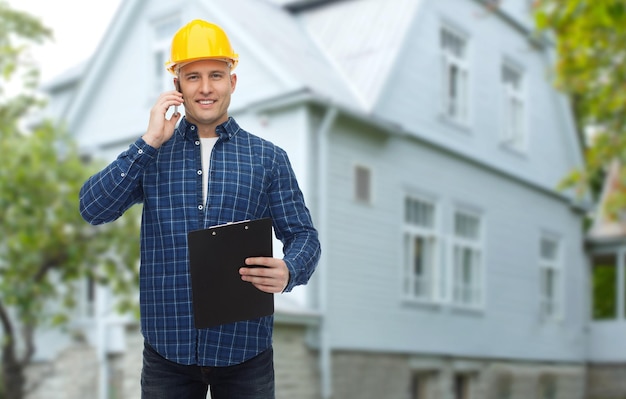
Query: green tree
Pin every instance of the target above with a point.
(46, 249)
(591, 68)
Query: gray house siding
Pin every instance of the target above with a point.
(366, 308)
(413, 93)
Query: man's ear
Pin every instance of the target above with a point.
(177, 85)
(233, 82)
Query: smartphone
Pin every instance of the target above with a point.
(181, 92)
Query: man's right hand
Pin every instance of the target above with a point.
(160, 129)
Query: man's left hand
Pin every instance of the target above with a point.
(272, 277)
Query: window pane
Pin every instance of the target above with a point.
(467, 280)
(503, 389)
(461, 386)
(165, 29)
(604, 287)
(511, 77)
(548, 387)
(466, 226)
(454, 88)
(419, 213)
(452, 98)
(420, 245)
(422, 266)
(421, 385)
(452, 43)
(624, 292)
(549, 283)
(465, 275)
(548, 249)
(513, 105)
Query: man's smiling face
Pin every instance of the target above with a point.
(206, 86)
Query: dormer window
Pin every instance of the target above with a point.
(455, 75)
(163, 31)
(513, 126)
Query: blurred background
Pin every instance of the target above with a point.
(462, 160)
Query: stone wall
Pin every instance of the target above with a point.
(76, 374)
(365, 375)
(606, 381)
(296, 366)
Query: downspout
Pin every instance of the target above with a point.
(325, 359)
(101, 345)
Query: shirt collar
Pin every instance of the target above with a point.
(225, 131)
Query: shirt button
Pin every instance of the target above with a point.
(123, 174)
(199, 172)
(193, 128)
(140, 151)
(197, 142)
(200, 207)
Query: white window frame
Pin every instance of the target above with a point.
(162, 41)
(455, 86)
(424, 287)
(514, 133)
(467, 292)
(551, 272)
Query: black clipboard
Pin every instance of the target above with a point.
(219, 294)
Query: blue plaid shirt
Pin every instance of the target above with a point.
(249, 178)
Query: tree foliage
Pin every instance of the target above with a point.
(591, 67)
(46, 249)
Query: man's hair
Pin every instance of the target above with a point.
(178, 67)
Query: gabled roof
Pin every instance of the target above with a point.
(604, 226)
(101, 58)
(275, 37)
(362, 39)
(341, 51)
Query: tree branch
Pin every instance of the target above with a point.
(49, 264)
(7, 326)
(8, 344)
(28, 334)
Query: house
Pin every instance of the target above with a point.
(606, 245)
(428, 141)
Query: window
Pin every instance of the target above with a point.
(604, 287)
(462, 386)
(467, 259)
(455, 75)
(163, 30)
(422, 385)
(503, 388)
(547, 387)
(420, 249)
(550, 277)
(362, 184)
(514, 135)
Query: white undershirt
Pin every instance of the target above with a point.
(206, 144)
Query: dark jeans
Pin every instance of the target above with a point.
(163, 379)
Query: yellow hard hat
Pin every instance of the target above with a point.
(200, 40)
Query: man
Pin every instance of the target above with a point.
(203, 172)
